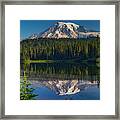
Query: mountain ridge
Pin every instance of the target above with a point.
(66, 30)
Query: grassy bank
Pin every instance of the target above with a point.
(77, 60)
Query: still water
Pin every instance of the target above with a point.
(62, 81)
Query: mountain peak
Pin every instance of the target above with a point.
(60, 23)
(68, 24)
(62, 30)
(66, 30)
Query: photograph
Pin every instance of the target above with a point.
(59, 59)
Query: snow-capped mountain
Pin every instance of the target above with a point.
(66, 30)
(62, 30)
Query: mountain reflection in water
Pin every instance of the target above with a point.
(66, 87)
(58, 80)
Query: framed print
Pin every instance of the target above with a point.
(60, 60)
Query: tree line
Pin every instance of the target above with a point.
(59, 49)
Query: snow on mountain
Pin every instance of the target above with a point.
(88, 34)
(66, 30)
(62, 30)
(33, 36)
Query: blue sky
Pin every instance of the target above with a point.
(29, 27)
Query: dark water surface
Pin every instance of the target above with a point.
(63, 81)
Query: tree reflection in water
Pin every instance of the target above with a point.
(63, 79)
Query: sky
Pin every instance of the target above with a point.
(29, 27)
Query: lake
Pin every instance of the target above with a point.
(62, 81)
